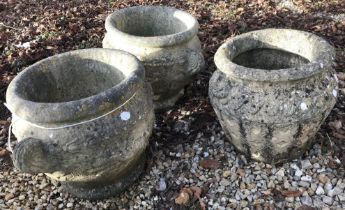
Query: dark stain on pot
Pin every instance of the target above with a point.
(244, 137)
(240, 106)
(308, 90)
(324, 83)
(268, 144)
(107, 154)
(292, 152)
(289, 98)
(298, 132)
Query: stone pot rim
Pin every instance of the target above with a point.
(322, 59)
(58, 113)
(153, 41)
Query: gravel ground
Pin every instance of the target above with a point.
(226, 178)
(189, 160)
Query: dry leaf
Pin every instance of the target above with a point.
(266, 192)
(4, 122)
(317, 28)
(305, 207)
(241, 172)
(209, 164)
(341, 76)
(333, 164)
(336, 124)
(197, 193)
(339, 136)
(293, 193)
(3, 152)
(184, 196)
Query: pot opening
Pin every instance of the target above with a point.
(151, 22)
(68, 80)
(269, 59)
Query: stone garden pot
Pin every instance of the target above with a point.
(165, 40)
(83, 118)
(272, 91)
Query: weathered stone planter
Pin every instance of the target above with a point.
(83, 118)
(272, 91)
(165, 40)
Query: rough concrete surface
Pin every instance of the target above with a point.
(84, 118)
(272, 91)
(165, 40)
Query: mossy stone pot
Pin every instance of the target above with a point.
(84, 118)
(165, 40)
(272, 90)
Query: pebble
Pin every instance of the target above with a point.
(224, 182)
(323, 178)
(319, 190)
(226, 173)
(335, 191)
(298, 173)
(235, 184)
(244, 203)
(305, 164)
(306, 200)
(327, 200)
(162, 186)
(290, 199)
(341, 197)
(316, 166)
(9, 196)
(39, 207)
(281, 173)
(306, 178)
(69, 205)
(328, 186)
(304, 184)
(271, 184)
(313, 186)
(50, 207)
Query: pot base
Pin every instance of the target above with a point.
(97, 192)
(167, 103)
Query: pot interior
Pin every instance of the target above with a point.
(69, 79)
(269, 59)
(150, 22)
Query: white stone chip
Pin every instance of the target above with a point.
(162, 185)
(319, 191)
(336, 78)
(335, 92)
(125, 116)
(304, 106)
(298, 173)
